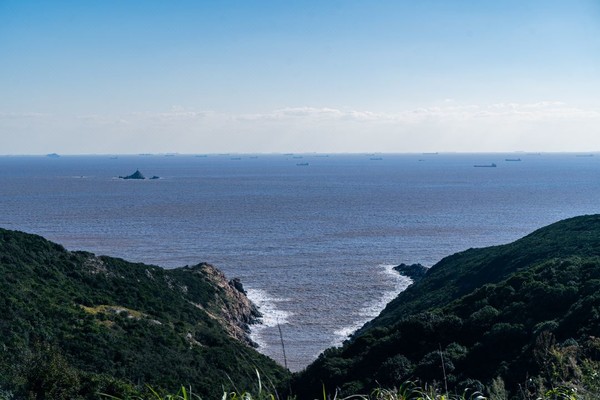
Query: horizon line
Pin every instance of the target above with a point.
(225, 153)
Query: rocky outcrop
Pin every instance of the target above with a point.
(136, 175)
(416, 272)
(236, 311)
(237, 284)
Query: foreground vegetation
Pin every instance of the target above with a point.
(513, 322)
(524, 317)
(73, 324)
(406, 391)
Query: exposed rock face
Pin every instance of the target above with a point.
(95, 265)
(237, 312)
(237, 284)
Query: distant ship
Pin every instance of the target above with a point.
(512, 159)
(376, 159)
(302, 164)
(492, 165)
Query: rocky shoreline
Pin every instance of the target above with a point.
(415, 272)
(237, 312)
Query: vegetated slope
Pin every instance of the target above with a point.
(529, 309)
(73, 324)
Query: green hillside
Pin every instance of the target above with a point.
(525, 316)
(73, 324)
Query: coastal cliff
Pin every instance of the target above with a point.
(235, 311)
(511, 321)
(73, 324)
(118, 327)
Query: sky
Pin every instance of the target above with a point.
(150, 76)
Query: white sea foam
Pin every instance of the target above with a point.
(271, 314)
(372, 310)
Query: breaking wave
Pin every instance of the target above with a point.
(372, 310)
(272, 315)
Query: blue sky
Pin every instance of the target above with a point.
(338, 76)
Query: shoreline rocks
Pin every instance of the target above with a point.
(237, 310)
(416, 272)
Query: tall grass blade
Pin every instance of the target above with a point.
(282, 345)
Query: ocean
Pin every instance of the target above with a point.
(313, 237)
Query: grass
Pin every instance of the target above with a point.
(406, 391)
(183, 394)
(107, 309)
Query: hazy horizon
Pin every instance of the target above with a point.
(591, 152)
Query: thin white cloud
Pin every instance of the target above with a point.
(526, 111)
(102, 119)
(175, 114)
(550, 110)
(541, 126)
(314, 114)
(23, 115)
(512, 111)
(539, 111)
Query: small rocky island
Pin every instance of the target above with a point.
(137, 175)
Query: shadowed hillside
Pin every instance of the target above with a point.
(73, 324)
(522, 313)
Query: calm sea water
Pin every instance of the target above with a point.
(313, 244)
